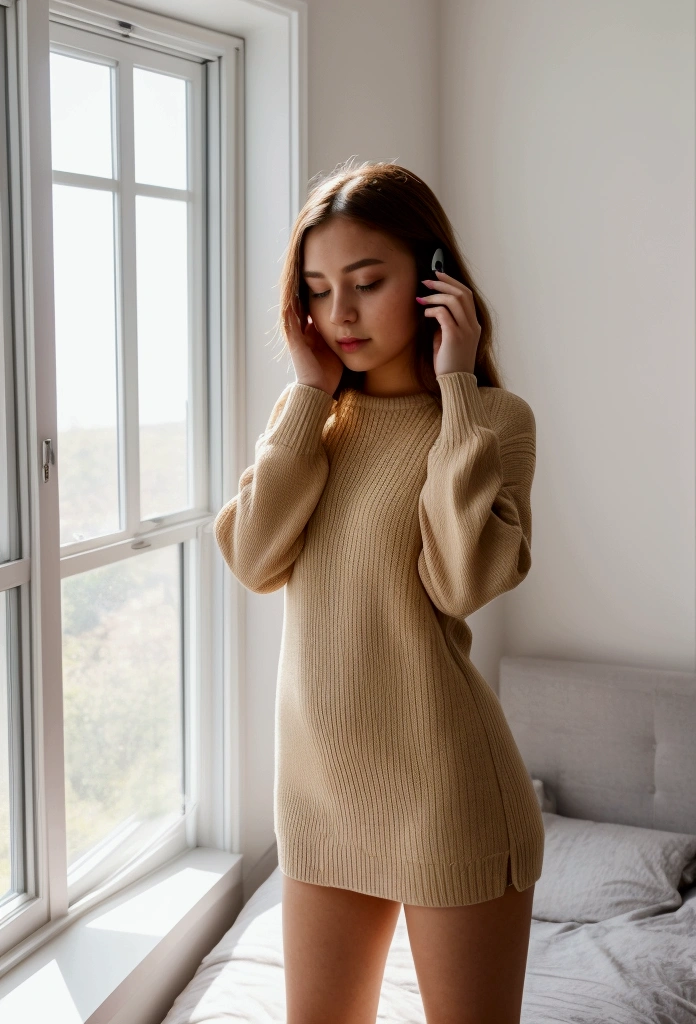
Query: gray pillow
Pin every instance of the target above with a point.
(596, 870)
(547, 801)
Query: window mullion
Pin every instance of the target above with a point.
(126, 303)
(232, 416)
(41, 417)
(16, 748)
(198, 341)
(191, 677)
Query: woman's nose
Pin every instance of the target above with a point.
(342, 313)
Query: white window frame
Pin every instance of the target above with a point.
(45, 908)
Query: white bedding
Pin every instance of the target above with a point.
(639, 968)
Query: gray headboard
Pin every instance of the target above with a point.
(614, 743)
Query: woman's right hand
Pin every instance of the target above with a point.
(315, 363)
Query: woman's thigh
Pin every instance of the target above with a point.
(471, 961)
(335, 946)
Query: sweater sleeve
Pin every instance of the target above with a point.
(475, 506)
(261, 531)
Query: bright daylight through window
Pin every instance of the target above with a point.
(132, 445)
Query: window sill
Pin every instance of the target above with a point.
(128, 958)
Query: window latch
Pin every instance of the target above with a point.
(49, 457)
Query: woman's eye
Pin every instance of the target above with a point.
(360, 288)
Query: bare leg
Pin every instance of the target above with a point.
(471, 961)
(335, 946)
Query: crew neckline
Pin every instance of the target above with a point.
(377, 402)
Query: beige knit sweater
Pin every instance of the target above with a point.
(390, 522)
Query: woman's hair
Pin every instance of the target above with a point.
(387, 197)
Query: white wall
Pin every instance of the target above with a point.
(568, 170)
(373, 81)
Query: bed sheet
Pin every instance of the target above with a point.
(639, 968)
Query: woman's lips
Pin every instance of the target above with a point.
(350, 344)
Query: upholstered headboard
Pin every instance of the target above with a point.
(614, 743)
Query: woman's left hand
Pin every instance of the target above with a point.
(456, 341)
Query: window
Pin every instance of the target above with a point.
(128, 212)
(111, 458)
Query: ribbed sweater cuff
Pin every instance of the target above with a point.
(302, 420)
(462, 408)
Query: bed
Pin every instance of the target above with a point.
(612, 750)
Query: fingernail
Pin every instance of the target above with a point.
(419, 298)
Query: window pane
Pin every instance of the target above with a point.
(86, 362)
(163, 354)
(9, 539)
(7, 481)
(122, 682)
(160, 129)
(81, 116)
(5, 806)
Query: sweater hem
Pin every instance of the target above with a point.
(320, 860)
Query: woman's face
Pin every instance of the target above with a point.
(362, 283)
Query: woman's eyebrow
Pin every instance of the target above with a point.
(346, 270)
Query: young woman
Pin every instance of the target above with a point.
(390, 493)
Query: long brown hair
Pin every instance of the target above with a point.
(392, 199)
